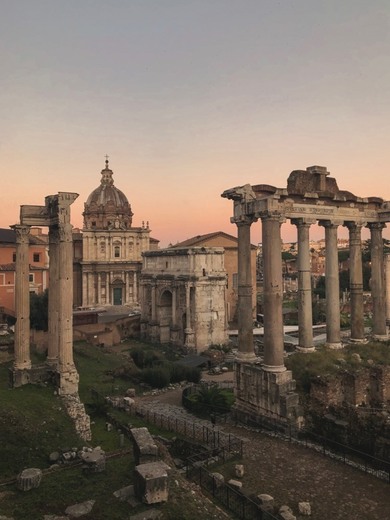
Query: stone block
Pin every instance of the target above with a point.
(218, 479)
(304, 508)
(285, 513)
(130, 392)
(151, 514)
(124, 493)
(145, 449)
(267, 502)
(81, 509)
(239, 470)
(236, 484)
(151, 482)
(95, 460)
(29, 479)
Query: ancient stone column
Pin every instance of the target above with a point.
(22, 359)
(273, 294)
(387, 280)
(53, 318)
(99, 285)
(188, 332)
(135, 286)
(174, 297)
(332, 286)
(356, 282)
(67, 370)
(154, 310)
(305, 313)
(85, 289)
(246, 351)
(377, 282)
(107, 288)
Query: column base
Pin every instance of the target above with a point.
(380, 337)
(360, 341)
(334, 346)
(52, 362)
(246, 357)
(305, 350)
(273, 368)
(19, 377)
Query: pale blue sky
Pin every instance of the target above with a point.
(190, 98)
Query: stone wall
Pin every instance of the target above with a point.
(366, 387)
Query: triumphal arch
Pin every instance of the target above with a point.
(311, 197)
(56, 215)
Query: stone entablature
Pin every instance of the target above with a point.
(311, 196)
(183, 297)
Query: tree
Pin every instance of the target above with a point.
(39, 310)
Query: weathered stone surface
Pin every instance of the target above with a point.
(95, 459)
(267, 502)
(145, 449)
(130, 392)
(285, 512)
(29, 479)
(304, 508)
(53, 517)
(53, 457)
(239, 470)
(151, 482)
(235, 483)
(81, 509)
(76, 411)
(219, 479)
(124, 493)
(151, 514)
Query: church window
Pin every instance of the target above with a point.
(36, 257)
(117, 251)
(93, 224)
(14, 257)
(31, 278)
(102, 247)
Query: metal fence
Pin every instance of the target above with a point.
(230, 498)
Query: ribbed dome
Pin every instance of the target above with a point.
(107, 207)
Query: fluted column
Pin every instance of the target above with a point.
(356, 282)
(107, 288)
(305, 312)
(135, 287)
(65, 298)
(85, 289)
(52, 352)
(273, 294)
(332, 285)
(245, 314)
(387, 280)
(22, 299)
(99, 290)
(377, 282)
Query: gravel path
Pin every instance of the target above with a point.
(292, 473)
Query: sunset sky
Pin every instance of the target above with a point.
(189, 98)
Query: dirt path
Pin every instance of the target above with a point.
(291, 473)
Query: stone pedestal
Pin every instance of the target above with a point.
(145, 449)
(262, 395)
(151, 482)
(68, 382)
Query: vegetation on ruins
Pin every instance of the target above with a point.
(209, 400)
(39, 310)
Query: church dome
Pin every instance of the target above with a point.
(107, 207)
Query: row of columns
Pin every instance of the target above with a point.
(273, 288)
(60, 348)
(92, 287)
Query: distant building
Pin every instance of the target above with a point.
(183, 297)
(39, 267)
(108, 265)
(230, 246)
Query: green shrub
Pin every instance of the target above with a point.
(156, 377)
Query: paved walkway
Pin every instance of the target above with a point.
(292, 473)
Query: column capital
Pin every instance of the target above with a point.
(330, 224)
(272, 215)
(22, 233)
(303, 222)
(376, 225)
(354, 226)
(243, 220)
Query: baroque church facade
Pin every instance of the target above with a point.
(111, 247)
